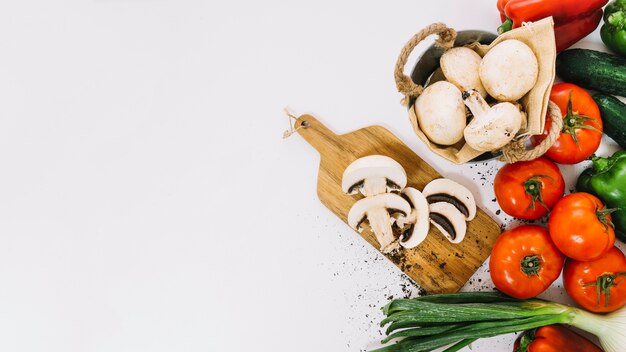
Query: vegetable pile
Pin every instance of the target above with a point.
(579, 240)
(430, 322)
(478, 101)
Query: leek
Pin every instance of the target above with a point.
(430, 322)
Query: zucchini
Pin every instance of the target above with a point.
(613, 113)
(593, 70)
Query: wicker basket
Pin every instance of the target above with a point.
(539, 36)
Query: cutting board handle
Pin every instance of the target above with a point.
(316, 134)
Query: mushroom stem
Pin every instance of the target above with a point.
(475, 102)
(373, 186)
(405, 220)
(380, 222)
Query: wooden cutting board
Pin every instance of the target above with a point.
(436, 264)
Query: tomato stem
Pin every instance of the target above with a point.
(525, 341)
(601, 164)
(573, 122)
(603, 214)
(533, 189)
(603, 285)
(531, 265)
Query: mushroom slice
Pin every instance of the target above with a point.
(449, 220)
(377, 211)
(414, 227)
(372, 175)
(446, 190)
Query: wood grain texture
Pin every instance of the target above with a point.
(436, 264)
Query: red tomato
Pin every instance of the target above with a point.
(598, 285)
(524, 261)
(528, 189)
(581, 227)
(553, 338)
(582, 125)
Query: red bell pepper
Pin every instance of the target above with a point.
(573, 19)
(553, 338)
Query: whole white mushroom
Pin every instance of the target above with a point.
(441, 113)
(492, 127)
(509, 70)
(460, 65)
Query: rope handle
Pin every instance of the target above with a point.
(516, 151)
(404, 83)
(292, 121)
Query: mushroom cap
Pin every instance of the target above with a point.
(460, 65)
(419, 218)
(494, 129)
(389, 172)
(509, 70)
(390, 201)
(449, 220)
(441, 113)
(446, 190)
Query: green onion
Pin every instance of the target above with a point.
(459, 345)
(430, 322)
(424, 331)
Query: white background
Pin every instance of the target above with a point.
(147, 199)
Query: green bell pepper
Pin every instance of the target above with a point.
(606, 179)
(613, 31)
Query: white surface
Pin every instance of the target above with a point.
(147, 200)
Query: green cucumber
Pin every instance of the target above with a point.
(593, 70)
(613, 113)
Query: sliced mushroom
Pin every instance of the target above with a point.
(440, 113)
(446, 190)
(509, 70)
(449, 220)
(414, 227)
(460, 66)
(372, 175)
(492, 127)
(377, 211)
